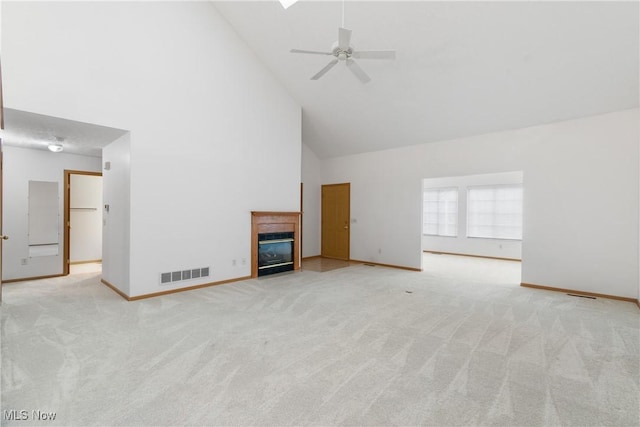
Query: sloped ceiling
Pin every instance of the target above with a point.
(462, 68)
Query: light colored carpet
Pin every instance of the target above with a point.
(91, 267)
(458, 344)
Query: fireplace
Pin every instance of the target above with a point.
(275, 242)
(275, 253)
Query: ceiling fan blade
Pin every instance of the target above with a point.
(374, 54)
(327, 67)
(359, 72)
(344, 38)
(315, 52)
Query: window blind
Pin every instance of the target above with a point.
(440, 213)
(495, 212)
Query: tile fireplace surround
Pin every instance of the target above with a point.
(274, 222)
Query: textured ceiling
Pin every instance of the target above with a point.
(462, 68)
(37, 131)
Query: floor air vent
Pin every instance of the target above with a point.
(177, 276)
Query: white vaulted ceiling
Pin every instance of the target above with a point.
(462, 68)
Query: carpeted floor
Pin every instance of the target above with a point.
(91, 267)
(458, 344)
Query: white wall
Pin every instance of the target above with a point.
(85, 217)
(213, 134)
(116, 191)
(580, 230)
(21, 166)
(311, 202)
(386, 205)
(461, 244)
(580, 209)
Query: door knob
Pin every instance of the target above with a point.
(346, 227)
(4, 237)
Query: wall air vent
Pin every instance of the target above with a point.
(178, 276)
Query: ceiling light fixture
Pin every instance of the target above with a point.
(287, 3)
(56, 148)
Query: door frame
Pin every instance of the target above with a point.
(66, 258)
(348, 185)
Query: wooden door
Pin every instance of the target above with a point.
(335, 220)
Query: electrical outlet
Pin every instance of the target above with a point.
(379, 250)
(23, 261)
(244, 261)
(233, 262)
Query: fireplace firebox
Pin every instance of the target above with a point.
(275, 242)
(275, 253)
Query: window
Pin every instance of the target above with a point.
(495, 212)
(440, 213)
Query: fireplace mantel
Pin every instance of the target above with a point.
(274, 222)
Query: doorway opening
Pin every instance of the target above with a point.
(82, 222)
(473, 215)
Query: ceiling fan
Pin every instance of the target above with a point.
(343, 51)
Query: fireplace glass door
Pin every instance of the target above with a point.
(275, 253)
